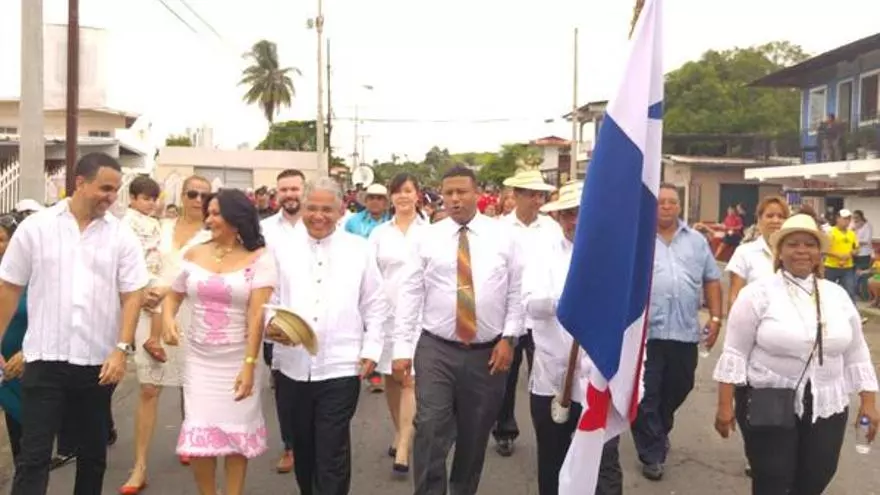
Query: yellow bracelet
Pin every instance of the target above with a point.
(250, 360)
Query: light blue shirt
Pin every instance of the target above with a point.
(362, 223)
(680, 269)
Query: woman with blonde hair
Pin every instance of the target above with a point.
(754, 259)
(157, 366)
(794, 347)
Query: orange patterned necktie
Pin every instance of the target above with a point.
(465, 308)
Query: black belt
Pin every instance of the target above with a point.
(475, 346)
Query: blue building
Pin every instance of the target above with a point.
(840, 129)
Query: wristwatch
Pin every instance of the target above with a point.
(715, 319)
(126, 348)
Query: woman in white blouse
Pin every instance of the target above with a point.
(754, 259)
(795, 332)
(391, 243)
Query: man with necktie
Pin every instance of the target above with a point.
(464, 279)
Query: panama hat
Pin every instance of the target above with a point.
(295, 327)
(528, 179)
(377, 190)
(28, 205)
(798, 223)
(569, 197)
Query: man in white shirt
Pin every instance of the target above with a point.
(85, 271)
(328, 278)
(278, 230)
(543, 281)
(465, 280)
(529, 192)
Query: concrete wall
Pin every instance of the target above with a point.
(702, 188)
(56, 123)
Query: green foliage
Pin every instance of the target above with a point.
(178, 140)
(505, 164)
(268, 84)
(710, 95)
(291, 135)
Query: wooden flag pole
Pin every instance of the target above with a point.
(564, 399)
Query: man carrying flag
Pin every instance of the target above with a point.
(605, 299)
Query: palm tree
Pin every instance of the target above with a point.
(269, 85)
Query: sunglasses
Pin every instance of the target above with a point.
(193, 194)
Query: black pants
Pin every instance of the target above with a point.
(284, 404)
(553, 442)
(796, 461)
(669, 378)
(13, 430)
(320, 421)
(505, 426)
(50, 393)
(69, 433)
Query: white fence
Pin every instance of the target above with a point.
(10, 171)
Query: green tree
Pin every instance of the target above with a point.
(268, 84)
(178, 140)
(711, 95)
(291, 135)
(505, 164)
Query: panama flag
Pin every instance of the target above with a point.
(605, 299)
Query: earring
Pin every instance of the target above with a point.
(238, 238)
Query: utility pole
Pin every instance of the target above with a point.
(323, 167)
(575, 121)
(32, 147)
(329, 113)
(72, 94)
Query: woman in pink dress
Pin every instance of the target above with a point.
(228, 280)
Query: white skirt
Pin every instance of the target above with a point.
(384, 364)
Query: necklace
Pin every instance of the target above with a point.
(221, 252)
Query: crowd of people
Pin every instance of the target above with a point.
(434, 298)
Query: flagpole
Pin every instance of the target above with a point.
(575, 142)
(565, 396)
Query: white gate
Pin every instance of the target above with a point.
(10, 171)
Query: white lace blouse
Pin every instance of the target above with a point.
(771, 330)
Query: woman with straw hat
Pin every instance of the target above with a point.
(795, 347)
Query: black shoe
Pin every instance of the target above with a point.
(111, 439)
(653, 472)
(61, 460)
(505, 447)
(392, 452)
(400, 469)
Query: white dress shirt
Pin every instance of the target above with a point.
(429, 281)
(533, 238)
(752, 260)
(277, 229)
(336, 287)
(771, 330)
(74, 281)
(543, 281)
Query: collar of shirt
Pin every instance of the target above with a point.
(418, 220)
(540, 221)
(474, 226)
(805, 284)
(63, 207)
(321, 243)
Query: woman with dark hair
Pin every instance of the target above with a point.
(390, 245)
(227, 280)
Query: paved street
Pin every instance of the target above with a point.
(701, 463)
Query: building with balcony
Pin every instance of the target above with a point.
(840, 130)
(589, 118)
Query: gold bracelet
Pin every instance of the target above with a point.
(250, 360)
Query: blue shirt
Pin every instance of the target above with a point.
(362, 223)
(680, 269)
(10, 392)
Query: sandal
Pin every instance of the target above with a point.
(155, 350)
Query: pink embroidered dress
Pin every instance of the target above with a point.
(215, 425)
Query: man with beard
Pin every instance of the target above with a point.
(278, 230)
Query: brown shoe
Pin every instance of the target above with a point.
(285, 464)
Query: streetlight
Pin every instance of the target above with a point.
(355, 155)
(318, 24)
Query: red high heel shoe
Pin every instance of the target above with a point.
(184, 460)
(132, 490)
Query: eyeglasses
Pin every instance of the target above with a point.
(193, 194)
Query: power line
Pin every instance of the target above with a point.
(500, 120)
(175, 14)
(202, 19)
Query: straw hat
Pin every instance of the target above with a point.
(569, 197)
(528, 179)
(798, 223)
(295, 327)
(377, 190)
(29, 205)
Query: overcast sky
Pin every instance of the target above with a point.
(459, 61)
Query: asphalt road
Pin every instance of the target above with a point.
(700, 462)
